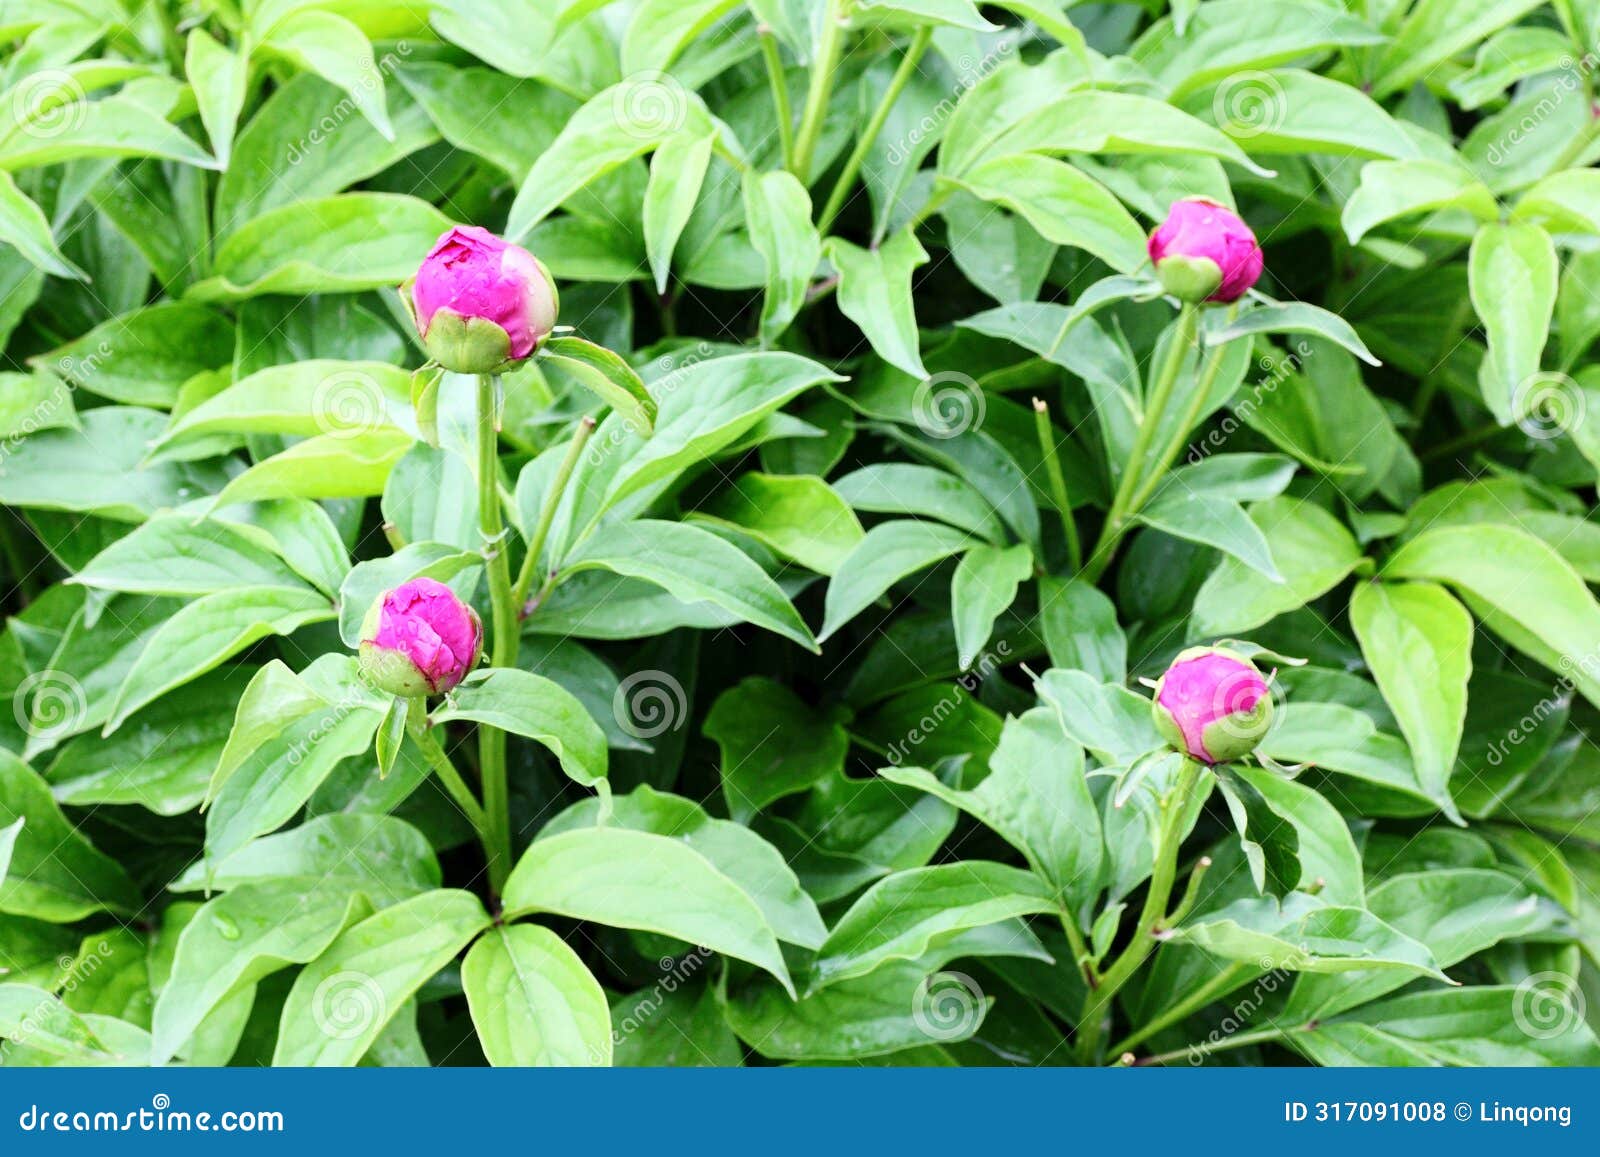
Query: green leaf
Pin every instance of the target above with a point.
(24, 227)
(754, 865)
(1301, 934)
(380, 856)
(1293, 112)
(341, 244)
(533, 1002)
(338, 51)
(1457, 1026)
(1080, 629)
(897, 1007)
(799, 516)
(117, 126)
(1212, 521)
(53, 873)
(915, 13)
(391, 735)
(173, 554)
(536, 708)
(661, 29)
(1113, 722)
(207, 631)
(1312, 552)
(290, 732)
(890, 552)
(1521, 588)
(1507, 57)
(772, 743)
(606, 375)
(695, 566)
(143, 357)
(1455, 912)
(162, 763)
(1116, 123)
(1271, 846)
(1036, 797)
(1393, 189)
(777, 209)
(982, 589)
(1435, 30)
(677, 171)
(631, 879)
(1063, 204)
(37, 1019)
(237, 939)
(302, 398)
(341, 465)
(911, 912)
(342, 1000)
(219, 78)
(925, 491)
(875, 293)
(683, 1028)
(1415, 636)
(1512, 271)
(1324, 846)
(1291, 317)
(625, 121)
(1226, 37)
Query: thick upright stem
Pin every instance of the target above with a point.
(779, 82)
(547, 515)
(449, 777)
(1156, 402)
(505, 628)
(818, 92)
(1097, 1005)
(869, 135)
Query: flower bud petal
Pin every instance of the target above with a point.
(1212, 704)
(419, 639)
(481, 304)
(1198, 229)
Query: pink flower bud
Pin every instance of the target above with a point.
(481, 303)
(1204, 252)
(1212, 705)
(419, 639)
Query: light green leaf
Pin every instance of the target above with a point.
(342, 1000)
(631, 879)
(1064, 204)
(778, 211)
(695, 566)
(772, 743)
(338, 51)
(24, 227)
(219, 77)
(799, 516)
(1212, 521)
(533, 1002)
(1417, 640)
(890, 552)
(677, 171)
(1394, 189)
(1512, 271)
(342, 244)
(1080, 628)
(982, 589)
(875, 293)
(536, 708)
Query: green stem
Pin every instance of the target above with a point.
(1082, 959)
(444, 767)
(1157, 400)
(778, 79)
(1097, 1005)
(1174, 447)
(547, 514)
(819, 91)
(506, 628)
(1058, 481)
(1225, 981)
(869, 135)
(1206, 1048)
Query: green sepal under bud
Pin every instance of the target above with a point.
(1237, 736)
(388, 671)
(1189, 279)
(469, 345)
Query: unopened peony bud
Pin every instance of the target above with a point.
(1212, 705)
(419, 639)
(481, 304)
(1204, 252)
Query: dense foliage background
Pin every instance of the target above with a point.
(831, 745)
